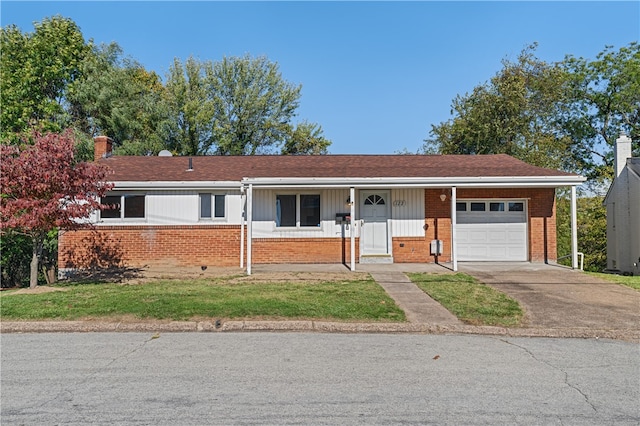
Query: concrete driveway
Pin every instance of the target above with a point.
(558, 297)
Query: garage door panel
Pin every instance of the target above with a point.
(492, 236)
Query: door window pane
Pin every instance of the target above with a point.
(496, 207)
(478, 207)
(461, 207)
(516, 207)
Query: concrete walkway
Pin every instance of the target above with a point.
(416, 304)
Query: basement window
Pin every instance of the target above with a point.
(124, 206)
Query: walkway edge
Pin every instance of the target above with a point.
(631, 335)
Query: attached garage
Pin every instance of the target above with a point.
(492, 230)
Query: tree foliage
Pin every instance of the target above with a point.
(565, 115)
(189, 129)
(37, 68)
(118, 97)
(306, 139)
(254, 105)
(44, 188)
(603, 100)
(592, 231)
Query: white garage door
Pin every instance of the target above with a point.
(491, 230)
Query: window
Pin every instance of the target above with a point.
(461, 207)
(134, 206)
(478, 207)
(516, 207)
(212, 206)
(298, 210)
(496, 207)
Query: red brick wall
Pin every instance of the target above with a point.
(541, 218)
(302, 250)
(196, 245)
(139, 246)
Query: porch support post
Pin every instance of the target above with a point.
(454, 254)
(249, 226)
(352, 233)
(574, 229)
(243, 200)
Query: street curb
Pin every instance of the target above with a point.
(631, 335)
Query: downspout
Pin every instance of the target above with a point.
(352, 197)
(249, 226)
(454, 254)
(574, 229)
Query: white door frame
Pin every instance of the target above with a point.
(386, 194)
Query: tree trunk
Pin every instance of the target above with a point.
(38, 242)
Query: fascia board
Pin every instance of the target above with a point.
(469, 182)
(174, 185)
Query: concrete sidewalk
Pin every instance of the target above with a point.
(416, 304)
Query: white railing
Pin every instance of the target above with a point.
(580, 255)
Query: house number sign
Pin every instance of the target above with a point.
(399, 203)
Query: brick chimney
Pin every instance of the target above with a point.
(622, 152)
(102, 146)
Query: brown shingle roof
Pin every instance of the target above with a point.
(234, 168)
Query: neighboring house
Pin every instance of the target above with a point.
(623, 211)
(190, 211)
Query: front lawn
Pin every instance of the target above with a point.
(471, 301)
(226, 298)
(633, 282)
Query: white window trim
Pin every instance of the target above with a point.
(297, 227)
(213, 218)
(122, 218)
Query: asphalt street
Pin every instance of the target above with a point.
(315, 378)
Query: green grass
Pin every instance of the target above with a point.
(352, 300)
(633, 282)
(471, 301)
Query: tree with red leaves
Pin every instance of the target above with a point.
(44, 187)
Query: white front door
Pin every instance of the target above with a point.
(374, 208)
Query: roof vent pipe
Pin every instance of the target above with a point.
(190, 169)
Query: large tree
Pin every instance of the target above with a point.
(565, 115)
(44, 188)
(514, 113)
(254, 105)
(190, 105)
(37, 69)
(603, 100)
(118, 97)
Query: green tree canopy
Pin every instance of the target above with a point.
(254, 105)
(37, 69)
(565, 115)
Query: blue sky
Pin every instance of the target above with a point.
(374, 75)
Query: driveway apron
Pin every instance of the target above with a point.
(417, 305)
(556, 297)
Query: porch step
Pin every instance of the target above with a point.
(376, 258)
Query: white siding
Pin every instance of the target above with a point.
(181, 208)
(332, 201)
(407, 212)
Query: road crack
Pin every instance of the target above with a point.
(67, 394)
(565, 374)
